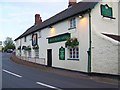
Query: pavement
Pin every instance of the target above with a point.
(66, 73)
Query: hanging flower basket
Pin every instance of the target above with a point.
(71, 43)
(28, 48)
(36, 47)
(19, 48)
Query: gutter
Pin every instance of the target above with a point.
(89, 50)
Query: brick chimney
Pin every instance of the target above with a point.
(38, 19)
(72, 2)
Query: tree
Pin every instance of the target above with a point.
(8, 44)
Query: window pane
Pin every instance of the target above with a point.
(37, 53)
(77, 56)
(74, 53)
(70, 50)
(74, 23)
(77, 49)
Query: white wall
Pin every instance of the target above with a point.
(105, 25)
(104, 49)
(81, 32)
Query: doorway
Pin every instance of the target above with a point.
(49, 57)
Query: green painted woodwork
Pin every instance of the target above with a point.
(62, 53)
(106, 11)
(59, 38)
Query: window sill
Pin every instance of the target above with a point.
(73, 59)
(71, 28)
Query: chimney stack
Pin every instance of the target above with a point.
(72, 2)
(38, 19)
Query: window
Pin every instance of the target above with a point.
(73, 53)
(31, 37)
(72, 23)
(25, 39)
(25, 53)
(36, 53)
(40, 34)
(29, 53)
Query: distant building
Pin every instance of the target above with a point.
(84, 37)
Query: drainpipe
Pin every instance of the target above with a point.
(20, 48)
(89, 51)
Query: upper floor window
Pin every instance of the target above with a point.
(25, 39)
(40, 34)
(72, 23)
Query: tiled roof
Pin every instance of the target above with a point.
(77, 9)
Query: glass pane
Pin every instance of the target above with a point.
(77, 56)
(73, 52)
(77, 49)
(70, 23)
(70, 50)
(73, 55)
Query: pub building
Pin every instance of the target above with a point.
(84, 37)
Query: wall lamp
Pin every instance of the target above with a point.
(50, 26)
(81, 16)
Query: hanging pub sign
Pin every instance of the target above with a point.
(34, 39)
(59, 38)
(106, 11)
(62, 53)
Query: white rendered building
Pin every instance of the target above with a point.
(84, 37)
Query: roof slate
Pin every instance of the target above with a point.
(77, 9)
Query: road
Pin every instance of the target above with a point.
(21, 76)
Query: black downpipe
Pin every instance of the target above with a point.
(89, 51)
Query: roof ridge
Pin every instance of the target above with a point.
(80, 7)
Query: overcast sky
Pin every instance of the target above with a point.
(16, 16)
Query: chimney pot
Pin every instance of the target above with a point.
(38, 19)
(72, 2)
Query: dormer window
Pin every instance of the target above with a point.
(72, 23)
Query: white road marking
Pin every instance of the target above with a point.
(49, 86)
(12, 73)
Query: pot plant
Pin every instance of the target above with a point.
(71, 43)
(36, 47)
